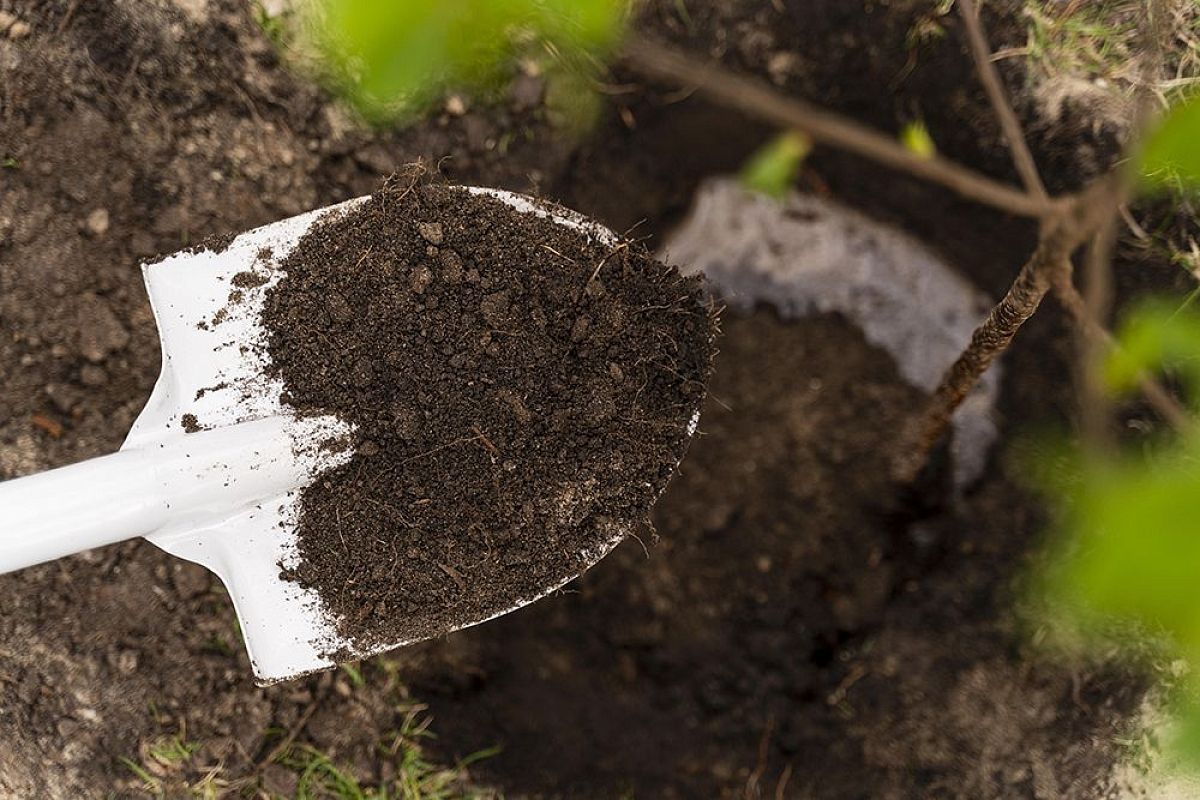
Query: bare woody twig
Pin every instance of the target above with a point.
(989, 340)
(752, 97)
(1094, 406)
(1049, 268)
(1061, 235)
(1163, 401)
(982, 55)
(1066, 223)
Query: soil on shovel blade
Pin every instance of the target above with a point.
(522, 393)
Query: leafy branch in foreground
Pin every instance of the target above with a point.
(393, 59)
(1124, 564)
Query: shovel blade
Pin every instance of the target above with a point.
(216, 374)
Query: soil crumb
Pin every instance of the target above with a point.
(248, 280)
(215, 243)
(206, 390)
(522, 393)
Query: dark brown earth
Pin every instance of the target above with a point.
(783, 635)
(904, 673)
(521, 394)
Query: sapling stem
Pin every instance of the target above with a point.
(981, 54)
(1098, 295)
(1060, 236)
(1065, 222)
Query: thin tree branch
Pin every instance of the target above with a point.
(1061, 235)
(1089, 311)
(1166, 405)
(981, 53)
(989, 340)
(1097, 300)
(1154, 38)
(1092, 216)
(752, 97)
(1065, 222)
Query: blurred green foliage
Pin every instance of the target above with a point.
(773, 168)
(1125, 568)
(393, 58)
(1171, 153)
(1155, 336)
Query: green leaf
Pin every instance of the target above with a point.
(571, 104)
(393, 58)
(584, 24)
(915, 136)
(1155, 336)
(172, 749)
(1134, 554)
(354, 673)
(773, 168)
(1127, 568)
(149, 781)
(1124, 567)
(1171, 154)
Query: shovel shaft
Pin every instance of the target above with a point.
(75, 508)
(183, 483)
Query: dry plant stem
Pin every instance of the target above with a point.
(982, 55)
(1154, 40)
(752, 97)
(1094, 411)
(1166, 405)
(1096, 212)
(989, 340)
(1090, 311)
(1061, 234)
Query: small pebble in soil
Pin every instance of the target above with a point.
(521, 394)
(100, 332)
(97, 222)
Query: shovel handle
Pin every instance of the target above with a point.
(183, 483)
(78, 507)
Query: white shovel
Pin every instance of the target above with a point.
(227, 496)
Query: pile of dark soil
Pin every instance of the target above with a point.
(521, 391)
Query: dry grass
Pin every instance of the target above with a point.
(1099, 40)
(1090, 53)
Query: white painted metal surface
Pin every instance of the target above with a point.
(225, 496)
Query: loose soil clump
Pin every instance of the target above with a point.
(521, 390)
